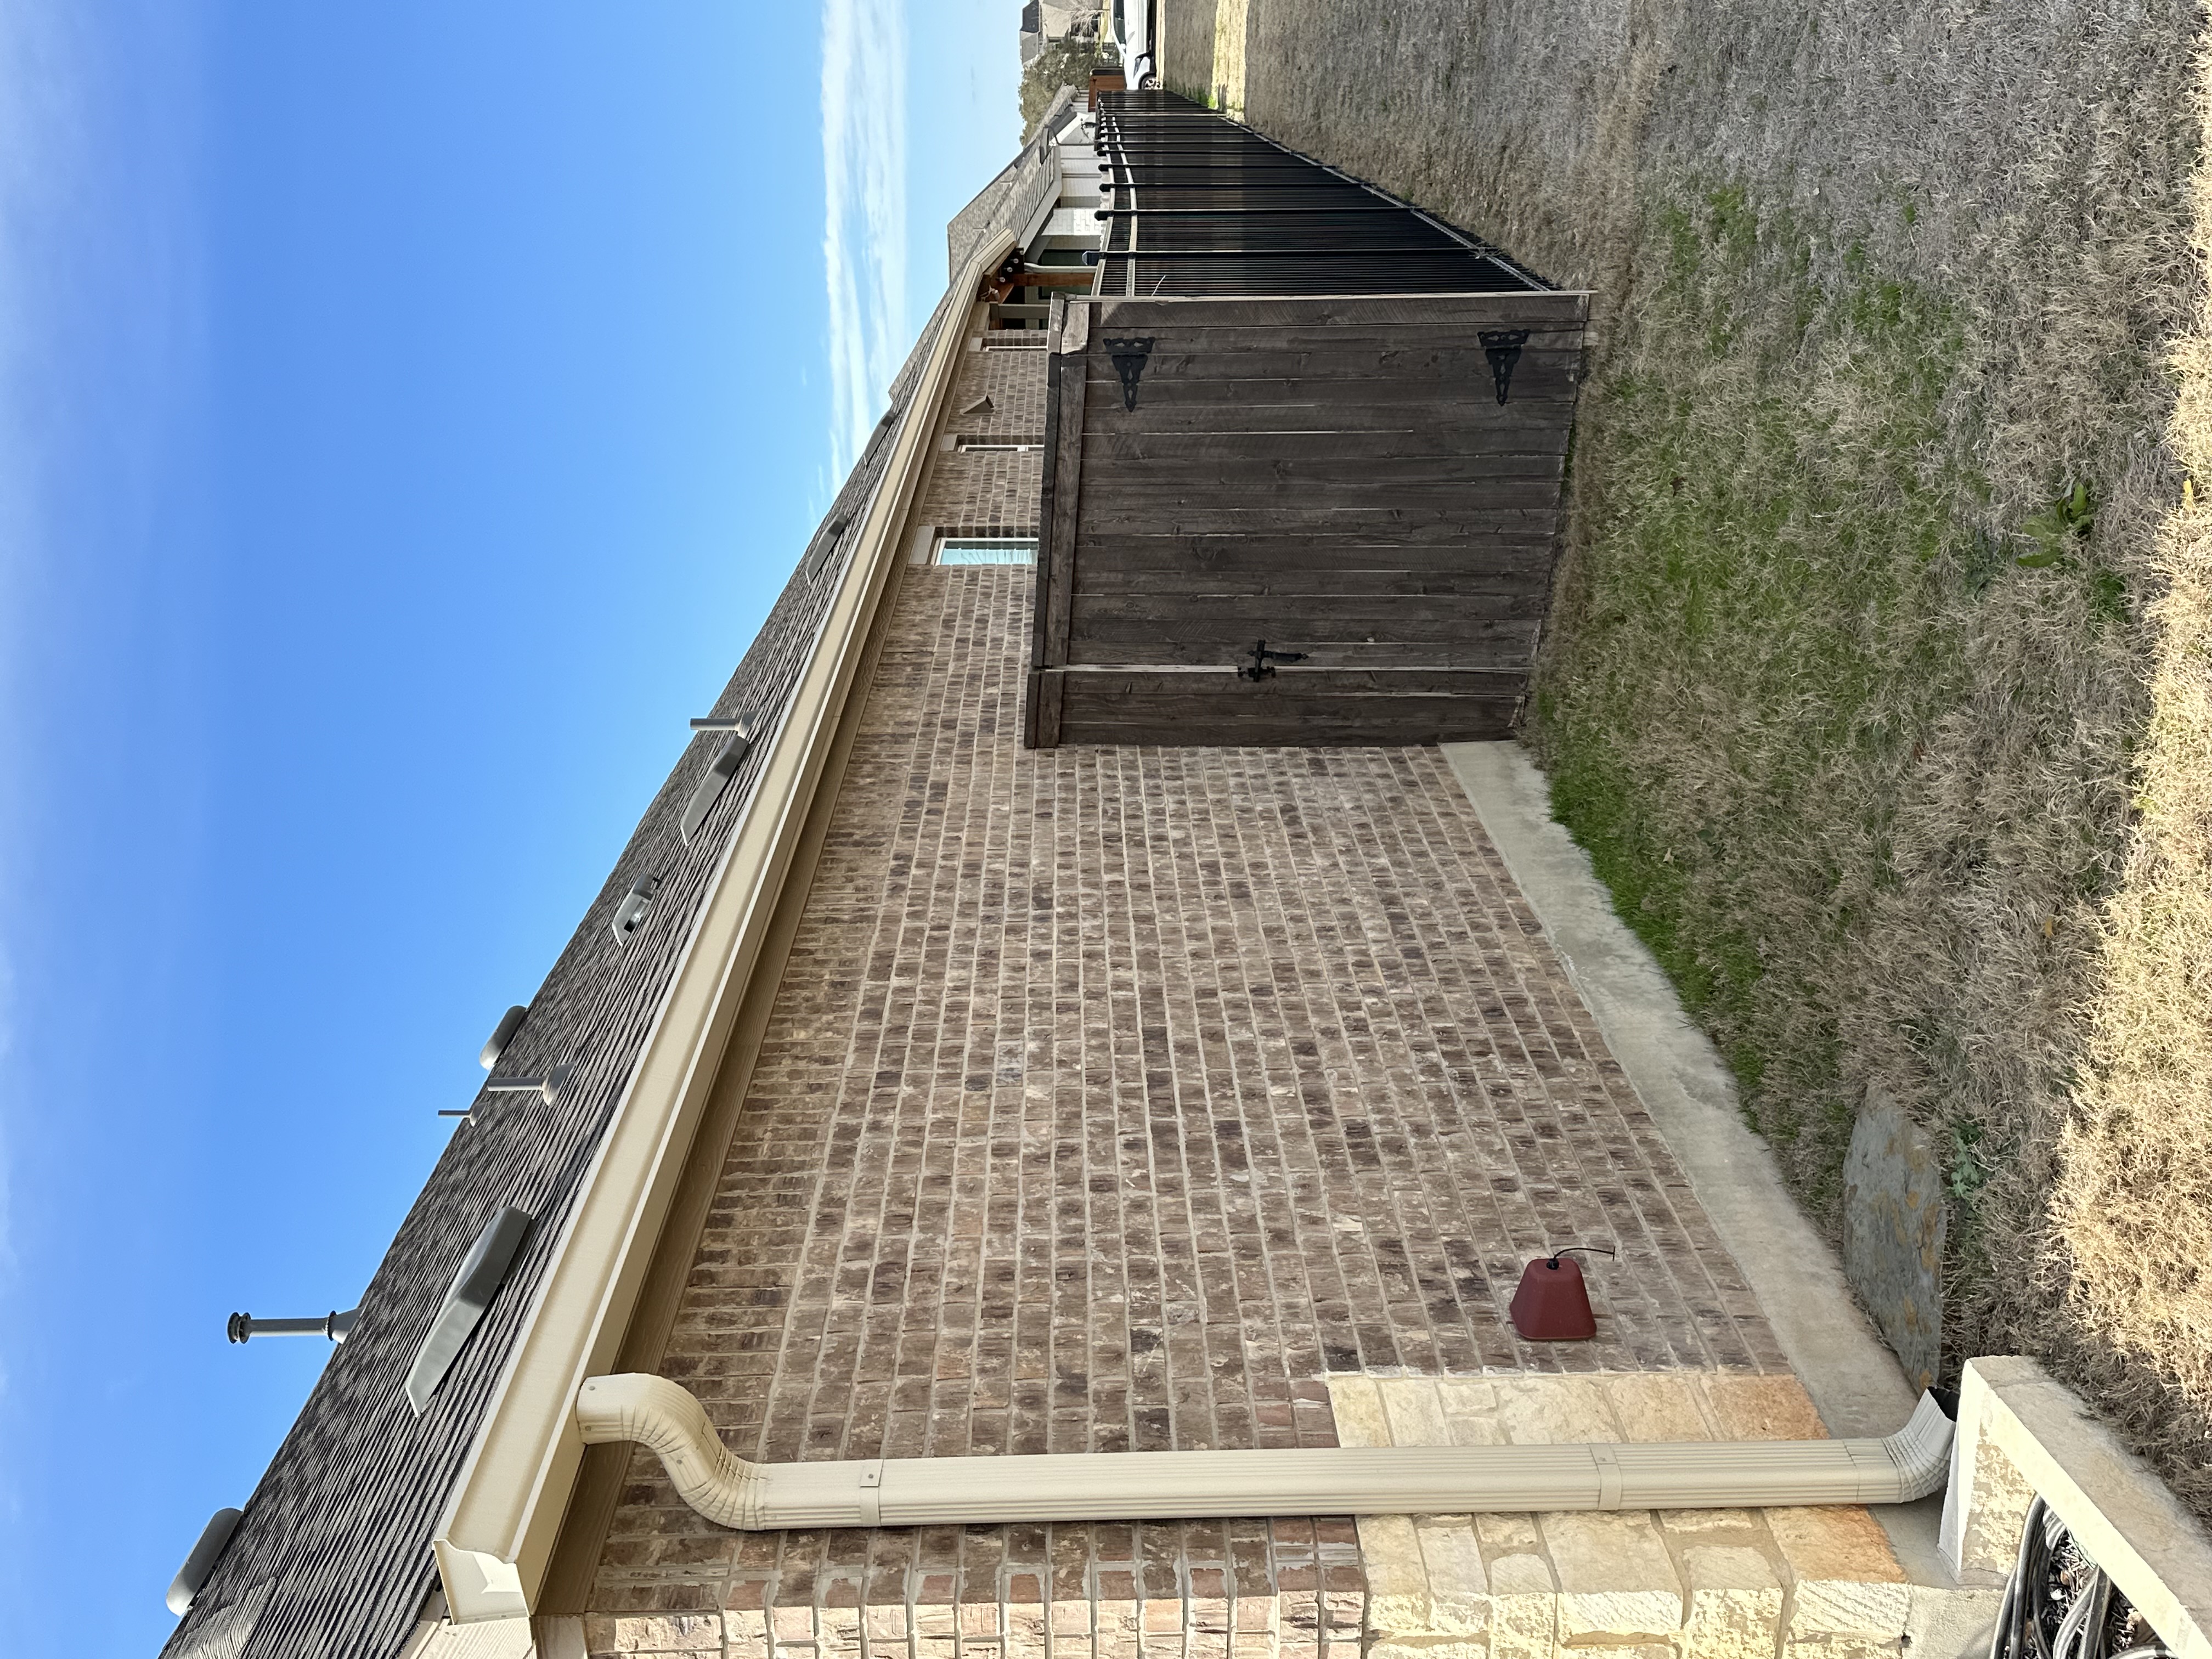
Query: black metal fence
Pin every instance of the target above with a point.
(1197, 204)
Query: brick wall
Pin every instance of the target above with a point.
(991, 489)
(1115, 1098)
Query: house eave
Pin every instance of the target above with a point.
(495, 1540)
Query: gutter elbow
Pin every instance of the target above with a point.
(1921, 1450)
(666, 1417)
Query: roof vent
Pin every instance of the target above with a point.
(199, 1566)
(548, 1087)
(244, 1326)
(630, 913)
(483, 1271)
(716, 780)
(502, 1034)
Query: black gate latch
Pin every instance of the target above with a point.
(1264, 661)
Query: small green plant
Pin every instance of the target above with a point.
(2059, 529)
(2108, 598)
(1970, 1164)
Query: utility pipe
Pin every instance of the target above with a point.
(919, 1492)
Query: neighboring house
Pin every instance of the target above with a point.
(1062, 1006)
(1045, 22)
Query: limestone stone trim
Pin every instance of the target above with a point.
(1668, 1584)
(2021, 1434)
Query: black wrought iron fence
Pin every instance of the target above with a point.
(1197, 204)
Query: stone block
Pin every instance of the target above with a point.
(1415, 1414)
(2017, 1428)
(1552, 1411)
(1895, 1213)
(744, 1633)
(1470, 1409)
(1458, 1598)
(1657, 1406)
(1746, 1408)
(792, 1623)
(1508, 1535)
(1397, 1583)
(1735, 1603)
(1701, 1523)
(1843, 1647)
(1844, 1579)
(1523, 1607)
(665, 1633)
(1359, 1409)
(1615, 1576)
(1255, 1615)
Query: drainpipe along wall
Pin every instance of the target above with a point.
(921, 1492)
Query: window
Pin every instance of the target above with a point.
(987, 549)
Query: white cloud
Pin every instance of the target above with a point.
(864, 229)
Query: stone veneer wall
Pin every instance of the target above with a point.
(1117, 1098)
(1717, 1584)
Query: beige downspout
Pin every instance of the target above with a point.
(918, 1491)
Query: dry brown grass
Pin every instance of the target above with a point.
(1878, 282)
(2134, 1196)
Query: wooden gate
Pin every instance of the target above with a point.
(1298, 521)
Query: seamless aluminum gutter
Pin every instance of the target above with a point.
(496, 1539)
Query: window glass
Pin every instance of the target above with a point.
(987, 549)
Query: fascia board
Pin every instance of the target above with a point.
(495, 1540)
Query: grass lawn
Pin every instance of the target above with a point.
(1879, 679)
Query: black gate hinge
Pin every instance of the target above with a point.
(1503, 347)
(1129, 363)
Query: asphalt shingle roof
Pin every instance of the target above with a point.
(333, 1555)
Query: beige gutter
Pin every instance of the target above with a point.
(496, 1539)
(929, 1492)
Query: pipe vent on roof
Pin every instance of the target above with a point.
(199, 1566)
(716, 780)
(547, 1085)
(483, 1271)
(502, 1034)
(244, 1326)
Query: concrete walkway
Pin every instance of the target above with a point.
(1848, 1372)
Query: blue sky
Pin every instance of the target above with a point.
(407, 414)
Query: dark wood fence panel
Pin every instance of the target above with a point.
(1335, 477)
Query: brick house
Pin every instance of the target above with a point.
(931, 1079)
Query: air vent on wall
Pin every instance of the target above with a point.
(714, 781)
(483, 1271)
(502, 1034)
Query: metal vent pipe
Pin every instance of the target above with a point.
(919, 1492)
(244, 1327)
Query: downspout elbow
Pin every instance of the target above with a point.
(1921, 1451)
(667, 1418)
